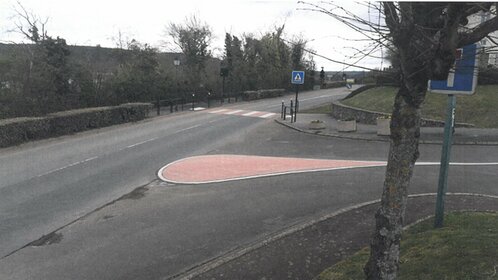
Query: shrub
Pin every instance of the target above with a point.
(262, 93)
(19, 130)
(488, 76)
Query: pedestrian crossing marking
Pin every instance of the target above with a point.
(267, 115)
(243, 113)
(233, 112)
(250, 113)
(219, 111)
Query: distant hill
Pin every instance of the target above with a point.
(104, 59)
(337, 75)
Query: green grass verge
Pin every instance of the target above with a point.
(323, 109)
(465, 248)
(480, 109)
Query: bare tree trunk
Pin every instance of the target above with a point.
(403, 152)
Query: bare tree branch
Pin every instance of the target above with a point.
(476, 7)
(335, 61)
(33, 23)
(478, 33)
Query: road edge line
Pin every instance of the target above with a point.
(164, 179)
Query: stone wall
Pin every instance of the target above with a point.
(344, 112)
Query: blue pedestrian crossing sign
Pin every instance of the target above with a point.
(297, 77)
(462, 78)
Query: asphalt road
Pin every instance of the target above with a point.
(166, 230)
(47, 184)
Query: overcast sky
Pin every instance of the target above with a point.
(92, 22)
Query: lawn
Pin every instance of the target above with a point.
(323, 109)
(465, 248)
(480, 109)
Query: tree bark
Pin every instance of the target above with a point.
(425, 35)
(403, 152)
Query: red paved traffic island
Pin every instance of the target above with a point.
(221, 168)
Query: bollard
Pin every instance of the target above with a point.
(292, 110)
(295, 111)
(285, 113)
(282, 111)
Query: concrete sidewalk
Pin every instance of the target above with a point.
(429, 135)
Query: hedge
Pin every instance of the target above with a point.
(262, 93)
(487, 76)
(334, 84)
(20, 130)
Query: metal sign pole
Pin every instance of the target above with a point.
(445, 161)
(296, 104)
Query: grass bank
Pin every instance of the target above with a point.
(480, 109)
(465, 248)
(322, 109)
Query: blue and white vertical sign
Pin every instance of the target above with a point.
(462, 78)
(297, 77)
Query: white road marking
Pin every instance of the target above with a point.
(244, 113)
(233, 112)
(250, 113)
(140, 143)
(267, 115)
(218, 111)
(377, 164)
(188, 128)
(458, 163)
(67, 166)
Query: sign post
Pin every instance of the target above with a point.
(445, 161)
(297, 79)
(462, 80)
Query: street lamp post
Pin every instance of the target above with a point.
(176, 62)
(322, 78)
(223, 74)
(193, 101)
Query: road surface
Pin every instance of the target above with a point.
(165, 230)
(47, 184)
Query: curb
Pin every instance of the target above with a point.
(436, 123)
(264, 175)
(237, 252)
(387, 139)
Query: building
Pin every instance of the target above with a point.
(489, 55)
